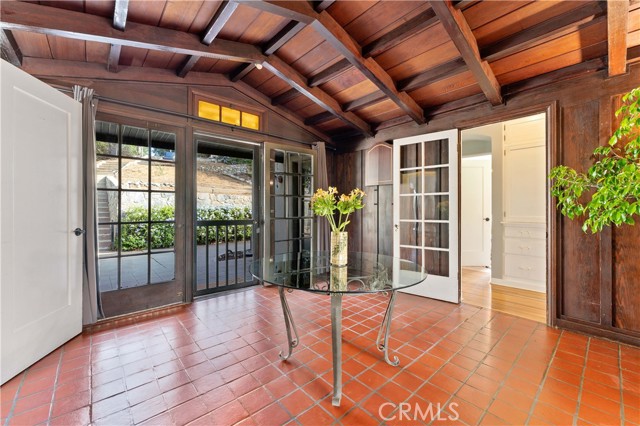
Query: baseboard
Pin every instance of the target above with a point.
(523, 285)
(134, 318)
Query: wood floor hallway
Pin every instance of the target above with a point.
(478, 291)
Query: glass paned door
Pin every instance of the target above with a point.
(226, 210)
(289, 173)
(137, 216)
(425, 191)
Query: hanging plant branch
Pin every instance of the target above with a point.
(609, 192)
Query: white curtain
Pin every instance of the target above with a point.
(322, 181)
(91, 306)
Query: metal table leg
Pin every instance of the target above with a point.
(383, 344)
(336, 345)
(288, 320)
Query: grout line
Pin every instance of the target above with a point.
(584, 368)
(544, 378)
(621, 385)
(15, 398)
(55, 384)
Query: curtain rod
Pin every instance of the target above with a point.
(191, 117)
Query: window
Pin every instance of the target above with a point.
(228, 115)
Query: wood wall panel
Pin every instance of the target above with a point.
(626, 276)
(580, 262)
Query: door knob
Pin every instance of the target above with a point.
(486, 219)
(78, 231)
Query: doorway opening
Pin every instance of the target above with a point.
(225, 233)
(503, 216)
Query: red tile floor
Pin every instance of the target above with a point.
(216, 363)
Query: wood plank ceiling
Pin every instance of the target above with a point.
(346, 68)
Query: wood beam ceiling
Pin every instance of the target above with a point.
(557, 26)
(221, 17)
(284, 71)
(76, 25)
(329, 73)
(120, 11)
(617, 23)
(338, 37)
(10, 49)
(400, 34)
(460, 33)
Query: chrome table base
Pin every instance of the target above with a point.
(382, 341)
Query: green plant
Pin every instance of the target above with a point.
(609, 192)
(134, 236)
(325, 203)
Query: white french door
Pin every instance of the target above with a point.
(425, 210)
(41, 257)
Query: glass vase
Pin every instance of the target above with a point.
(339, 243)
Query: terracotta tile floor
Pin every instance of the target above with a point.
(216, 363)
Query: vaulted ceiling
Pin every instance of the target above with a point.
(344, 67)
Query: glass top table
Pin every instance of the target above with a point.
(365, 273)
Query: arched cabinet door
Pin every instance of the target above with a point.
(378, 169)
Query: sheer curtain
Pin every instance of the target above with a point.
(322, 181)
(91, 306)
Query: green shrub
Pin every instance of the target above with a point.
(134, 236)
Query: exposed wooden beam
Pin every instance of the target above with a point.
(319, 118)
(114, 57)
(392, 123)
(120, 11)
(617, 23)
(220, 18)
(448, 69)
(456, 105)
(338, 37)
(321, 5)
(365, 101)
(241, 72)
(285, 97)
(77, 25)
(573, 71)
(10, 49)
(285, 72)
(557, 26)
(465, 4)
(400, 34)
(329, 73)
(458, 29)
(283, 36)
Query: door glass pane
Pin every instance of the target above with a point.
(135, 206)
(163, 145)
(107, 172)
(412, 254)
(436, 235)
(436, 207)
(108, 274)
(410, 156)
(135, 174)
(436, 152)
(163, 236)
(134, 237)
(133, 271)
(436, 180)
(163, 206)
(411, 182)
(410, 234)
(436, 262)
(411, 207)
(107, 237)
(107, 138)
(162, 267)
(135, 142)
(163, 176)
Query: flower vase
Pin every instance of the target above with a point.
(338, 278)
(339, 242)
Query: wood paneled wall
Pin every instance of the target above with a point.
(593, 280)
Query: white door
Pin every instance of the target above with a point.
(425, 210)
(475, 211)
(40, 192)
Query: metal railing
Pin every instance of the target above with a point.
(223, 252)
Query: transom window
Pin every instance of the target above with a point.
(215, 112)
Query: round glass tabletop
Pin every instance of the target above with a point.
(364, 273)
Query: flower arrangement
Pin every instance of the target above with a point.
(325, 203)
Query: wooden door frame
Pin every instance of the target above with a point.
(553, 154)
